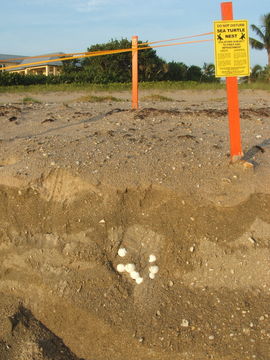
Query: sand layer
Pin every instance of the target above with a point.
(79, 180)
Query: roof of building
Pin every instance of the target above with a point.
(7, 57)
(45, 60)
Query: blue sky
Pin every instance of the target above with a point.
(32, 27)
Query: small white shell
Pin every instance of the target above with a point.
(152, 258)
(122, 252)
(129, 268)
(134, 275)
(154, 269)
(185, 323)
(120, 268)
(152, 276)
(139, 280)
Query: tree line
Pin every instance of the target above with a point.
(116, 68)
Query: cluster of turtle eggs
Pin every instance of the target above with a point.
(131, 268)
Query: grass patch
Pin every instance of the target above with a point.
(216, 99)
(65, 88)
(94, 98)
(180, 85)
(156, 97)
(118, 87)
(113, 87)
(256, 86)
(30, 100)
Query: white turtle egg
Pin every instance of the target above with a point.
(152, 276)
(154, 269)
(120, 268)
(139, 280)
(129, 268)
(134, 275)
(152, 258)
(122, 252)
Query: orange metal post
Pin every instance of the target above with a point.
(232, 96)
(135, 77)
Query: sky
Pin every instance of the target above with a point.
(33, 27)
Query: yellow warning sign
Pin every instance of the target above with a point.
(231, 48)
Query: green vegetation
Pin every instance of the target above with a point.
(30, 100)
(113, 87)
(256, 86)
(156, 97)
(258, 72)
(94, 98)
(180, 85)
(65, 87)
(263, 32)
(115, 68)
(118, 87)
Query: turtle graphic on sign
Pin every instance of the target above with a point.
(220, 38)
(243, 36)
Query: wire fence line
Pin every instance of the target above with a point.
(80, 55)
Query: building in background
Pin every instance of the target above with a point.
(47, 67)
(9, 60)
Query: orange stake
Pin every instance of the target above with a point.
(135, 77)
(232, 96)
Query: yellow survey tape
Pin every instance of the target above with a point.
(105, 52)
(179, 38)
(85, 52)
